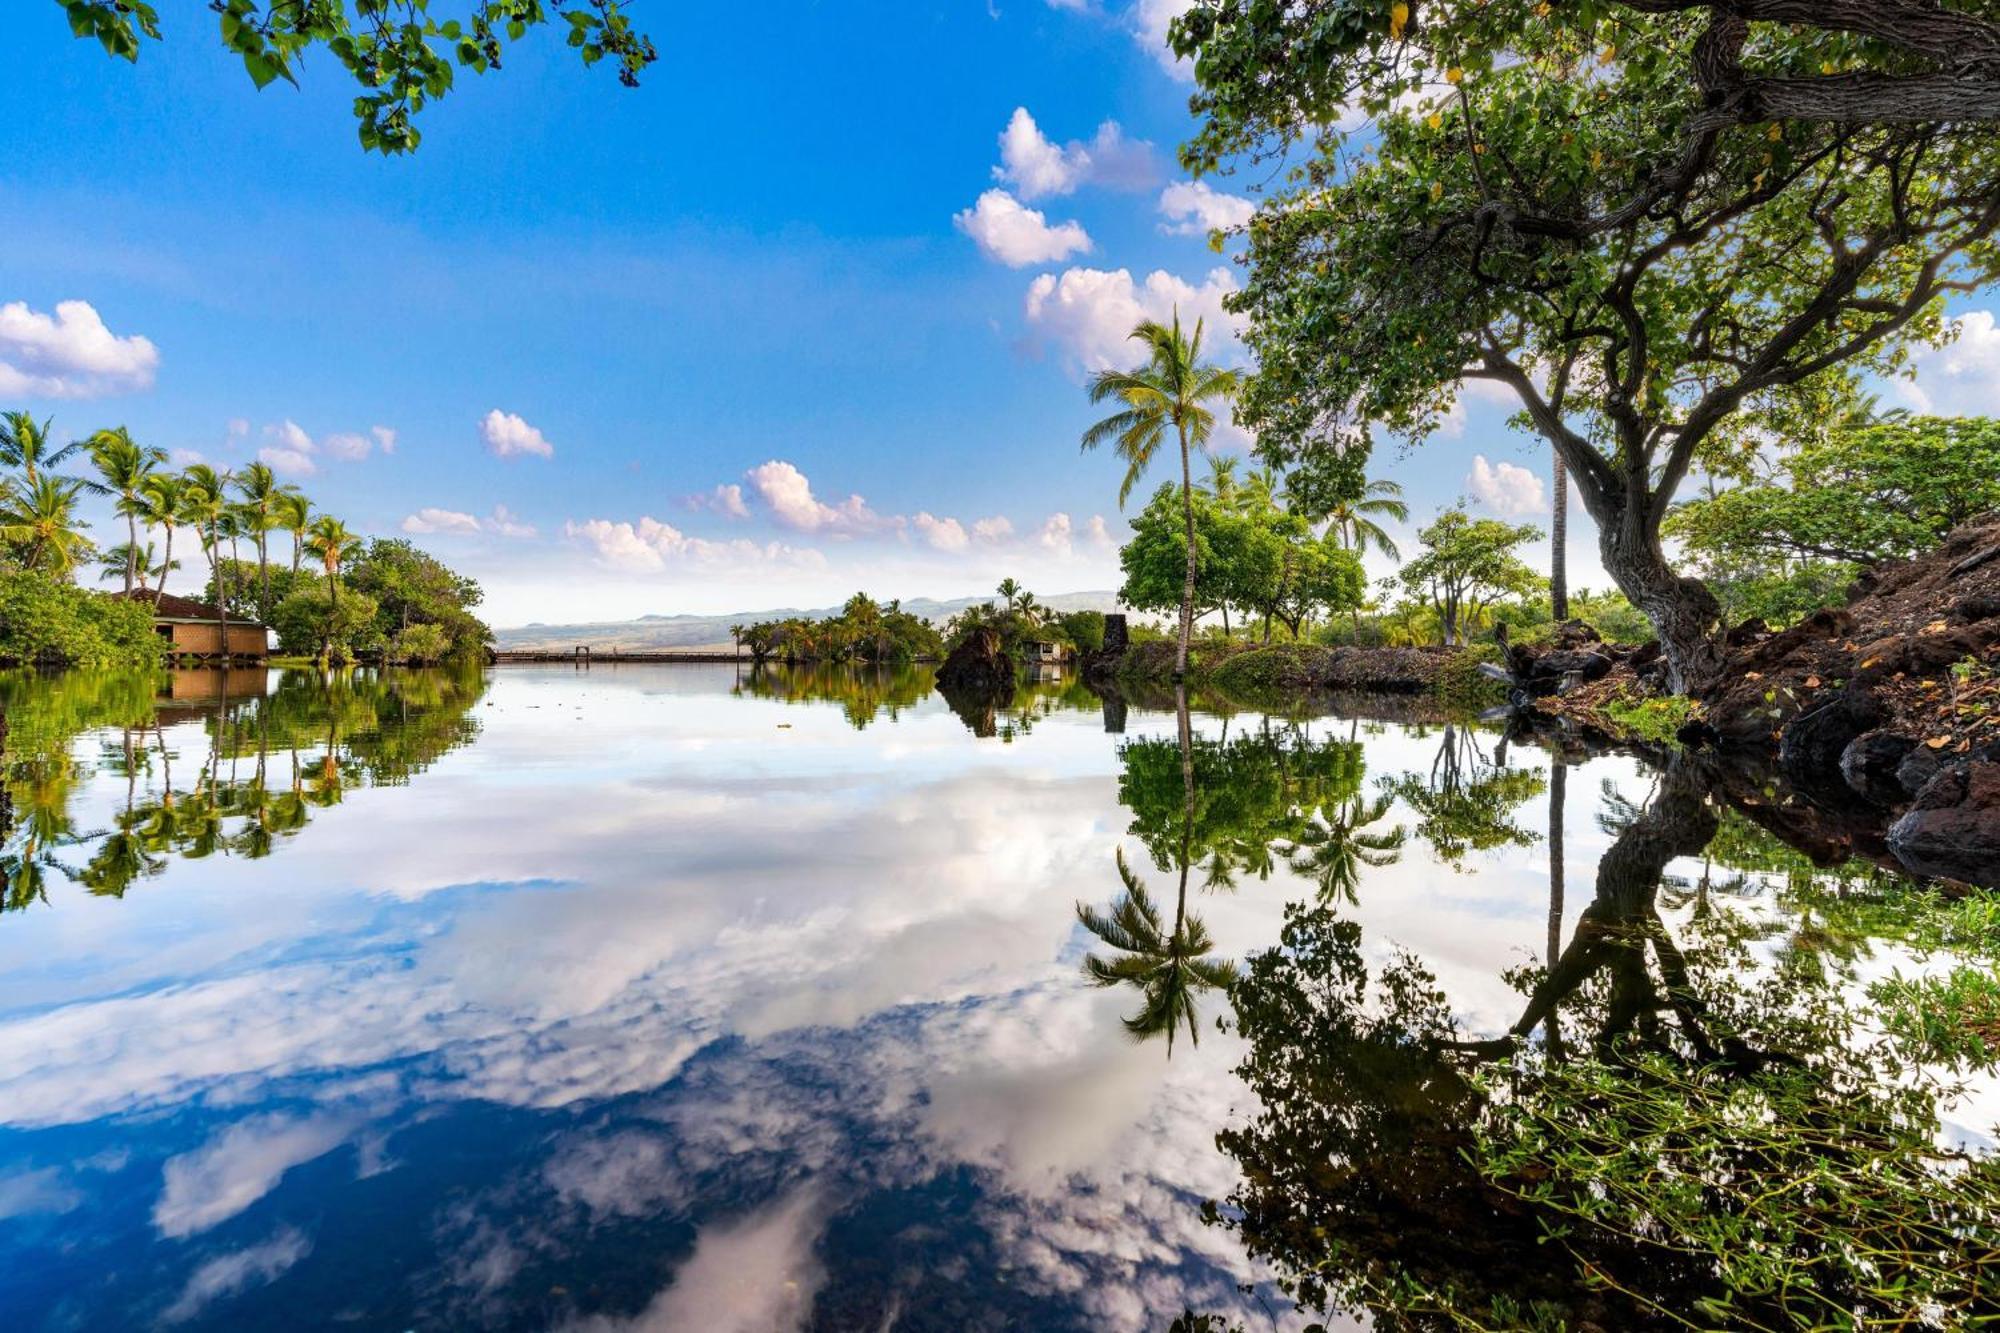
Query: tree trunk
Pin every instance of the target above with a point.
(1559, 543)
(167, 561)
(263, 576)
(1187, 588)
(131, 548)
(1683, 612)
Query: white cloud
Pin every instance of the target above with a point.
(503, 523)
(1090, 313)
(506, 523)
(237, 1271)
(1961, 377)
(789, 496)
(384, 436)
(347, 446)
(508, 436)
(1037, 167)
(1193, 209)
(1056, 534)
(239, 1166)
(649, 546)
(1506, 488)
(70, 354)
(726, 500)
(1149, 25)
(1099, 534)
(1015, 235)
(945, 534)
(430, 520)
(994, 529)
(291, 450)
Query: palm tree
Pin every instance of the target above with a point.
(294, 514)
(1173, 388)
(329, 541)
(1168, 967)
(1354, 520)
(25, 445)
(42, 521)
(162, 503)
(124, 464)
(736, 637)
(260, 490)
(204, 507)
(1222, 480)
(1334, 853)
(140, 558)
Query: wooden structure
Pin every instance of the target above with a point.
(196, 630)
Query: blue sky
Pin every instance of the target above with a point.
(798, 261)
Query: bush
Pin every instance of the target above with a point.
(421, 645)
(49, 621)
(1460, 684)
(1085, 629)
(303, 626)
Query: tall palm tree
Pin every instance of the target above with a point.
(329, 541)
(40, 519)
(205, 506)
(1354, 520)
(1173, 388)
(25, 445)
(260, 490)
(124, 465)
(162, 503)
(294, 514)
(1222, 480)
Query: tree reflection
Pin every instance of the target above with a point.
(1721, 1146)
(1466, 801)
(334, 730)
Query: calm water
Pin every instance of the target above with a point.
(661, 998)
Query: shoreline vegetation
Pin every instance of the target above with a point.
(341, 599)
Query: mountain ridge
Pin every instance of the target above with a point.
(688, 630)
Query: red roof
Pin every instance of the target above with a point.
(166, 606)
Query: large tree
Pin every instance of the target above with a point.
(1665, 226)
(402, 54)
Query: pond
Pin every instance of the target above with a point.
(691, 997)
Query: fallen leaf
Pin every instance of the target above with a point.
(1870, 662)
(1936, 627)
(1753, 675)
(1812, 682)
(1938, 742)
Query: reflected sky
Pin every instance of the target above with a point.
(649, 999)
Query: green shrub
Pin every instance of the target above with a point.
(49, 621)
(421, 645)
(303, 624)
(1656, 718)
(1460, 684)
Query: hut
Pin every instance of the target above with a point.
(198, 630)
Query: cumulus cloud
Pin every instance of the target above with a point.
(725, 500)
(237, 1271)
(1505, 488)
(503, 522)
(1099, 535)
(650, 546)
(945, 534)
(1191, 208)
(1015, 235)
(1055, 536)
(1963, 376)
(291, 450)
(1038, 167)
(507, 435)
(994, 529)
(1149, 27)
(70, 354)
(789, 496)
(1090, 312)
(241, 1165)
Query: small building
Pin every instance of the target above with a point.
(1039, 652)
(191, 629)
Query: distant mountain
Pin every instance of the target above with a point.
(664, 631)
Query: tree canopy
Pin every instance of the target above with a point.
(401, 54)
(1465, 563)
(1665, 227)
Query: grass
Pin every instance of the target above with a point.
(1656, 718)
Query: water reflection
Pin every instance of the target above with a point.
(1732, 1143)
(274, 747)
(683, 997)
